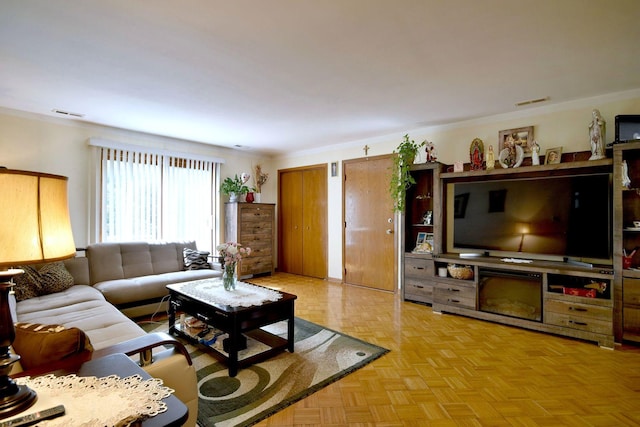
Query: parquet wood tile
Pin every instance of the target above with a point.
(446, 370)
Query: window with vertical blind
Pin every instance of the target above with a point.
(156, 196)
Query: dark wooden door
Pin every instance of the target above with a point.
(368, 236)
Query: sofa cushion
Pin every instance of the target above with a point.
(196, 260)
(42, 279)
(113, 261)
(83, 307)
(39, 344)
(154, 287)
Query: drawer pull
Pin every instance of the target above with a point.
(419, 287)
(578, 323)
(577, 309)
(453, 300)
(419, 268)
(453, 290)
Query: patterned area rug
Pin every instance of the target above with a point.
(321, 356)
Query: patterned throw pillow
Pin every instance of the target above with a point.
(46, 279)
(195, 260)
(40, 344)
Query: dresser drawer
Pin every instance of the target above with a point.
(418, 267)
(576, 309)
(631, 291)
(256, 265)
(255, 213)
(454, 294)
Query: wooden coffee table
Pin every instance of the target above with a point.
(200, 300)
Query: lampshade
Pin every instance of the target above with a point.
(34, 218)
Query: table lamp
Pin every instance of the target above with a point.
(34, 227)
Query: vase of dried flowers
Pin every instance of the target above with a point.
(260, 178)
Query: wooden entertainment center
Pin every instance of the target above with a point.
(586, 301)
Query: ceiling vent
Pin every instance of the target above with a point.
(532, 101)
(67, 113)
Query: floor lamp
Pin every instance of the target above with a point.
(34, 227)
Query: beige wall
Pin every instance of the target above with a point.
(58, 146)
(564, 125)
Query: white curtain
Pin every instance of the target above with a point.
(188, 191)
(150, 197)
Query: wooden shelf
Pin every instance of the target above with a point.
(533, 170)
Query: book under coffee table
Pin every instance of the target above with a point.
(238, 313)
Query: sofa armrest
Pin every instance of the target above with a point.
(144, 345)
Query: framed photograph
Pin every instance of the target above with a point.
(521, 136)
(334, 168)
(424, 243)
(553, 156)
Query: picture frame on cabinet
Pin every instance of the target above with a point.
(521, 136)
(553, 156)
(424, 243)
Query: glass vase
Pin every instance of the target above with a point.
(229, 276)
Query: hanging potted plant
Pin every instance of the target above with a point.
(233, 187)
(401, 178)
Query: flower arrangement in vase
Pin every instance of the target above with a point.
(230, 254)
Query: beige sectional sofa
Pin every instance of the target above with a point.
(113, 282)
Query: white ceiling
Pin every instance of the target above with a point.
(283, 75)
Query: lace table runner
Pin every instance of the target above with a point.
(212, 291)
(92, 401)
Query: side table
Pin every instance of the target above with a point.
(121, 365)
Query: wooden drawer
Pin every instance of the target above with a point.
(631, 291)
(579, 310)
(586, 323)
(418, 290)
(252, 227)
(256, 213)
(255, 241)
(455, 294)
(631, 319)
(583, 317)
(418, 268)
(255, 265)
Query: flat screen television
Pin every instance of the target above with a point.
(561, 218)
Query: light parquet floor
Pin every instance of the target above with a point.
(447, 370)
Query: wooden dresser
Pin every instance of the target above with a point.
(252, 225)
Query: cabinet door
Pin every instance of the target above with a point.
(290, 222)
(314, 208)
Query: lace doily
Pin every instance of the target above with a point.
(211, 291)
(92, 401)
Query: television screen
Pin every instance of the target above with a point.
(549, 218)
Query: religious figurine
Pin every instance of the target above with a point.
(596, 135)
(535, 153)
(490, 159)
(430, 149)
(476, 154)
(626, 182)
